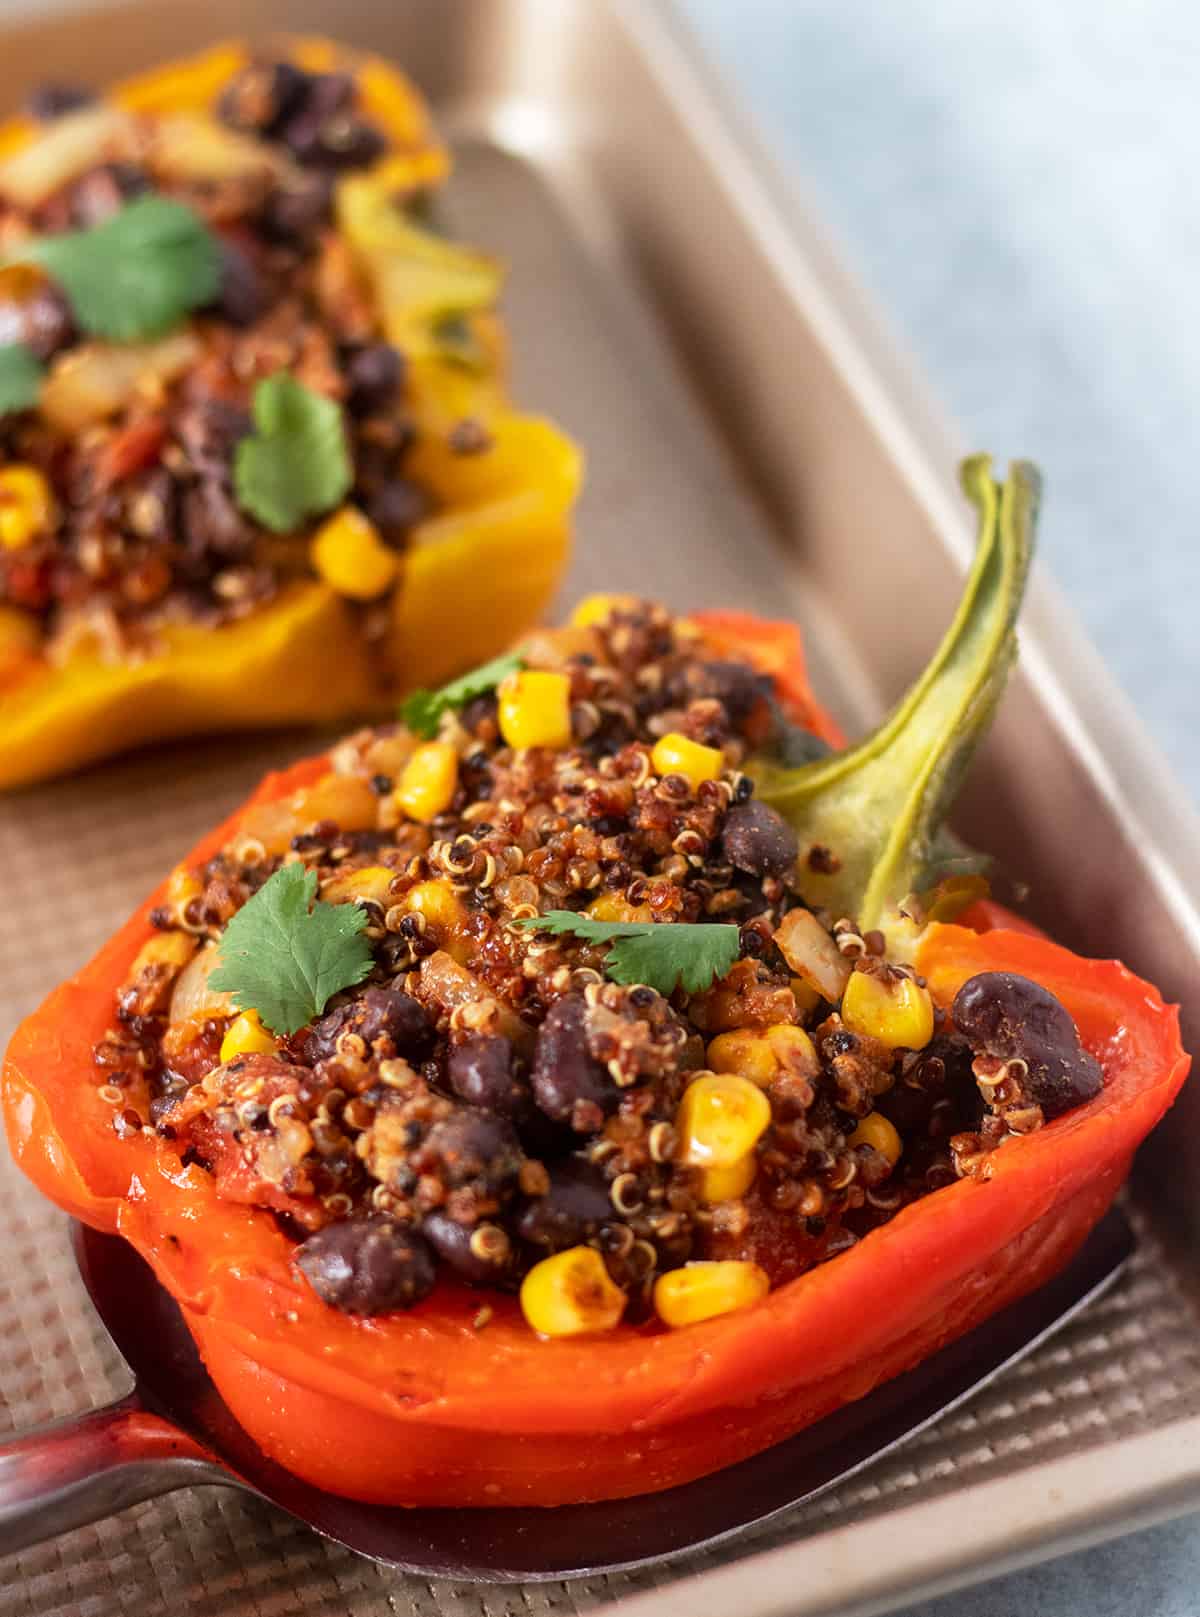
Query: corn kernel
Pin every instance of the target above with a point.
(170, 949)
(183, 885)
(719, 1122)
(27, 507)
(675, 754)
(615, 907)
(705, 1290)
(571, 1294)
(895, 1010)
(372, 882)
(880, 1132)
(438, 903)
(535, 709)
(746, 1053)
(720, 1118)
(793, 1050)
(246, 1036)
(429, 781)
(350, 556)
(726, 1182)
(594, 609)
(347, 800)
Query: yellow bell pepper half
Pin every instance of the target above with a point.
(475, 574)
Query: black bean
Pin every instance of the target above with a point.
(374, 376)
(480, 710)
(452, 1242)
(365, 841)
(339, 141)
(323, 130)
(293, 215)
(1011, 1018)
(471, 1148)
(50, 101)
(541, 1137)
(758, 840)
(367, 1266)
(572, 1210)
(565, 1074)
(261, 96)
(480, 1071)
(209, 431)
(384, 1018)
(329, 93)
(212, 523)
(397, 506)
(738, 688)
(242, 296)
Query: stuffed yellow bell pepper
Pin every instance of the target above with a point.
(257, 461)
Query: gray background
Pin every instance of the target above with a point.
(1016, 182)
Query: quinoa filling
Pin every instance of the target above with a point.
(121, 509)
(488, 1102)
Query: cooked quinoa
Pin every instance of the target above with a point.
(487, 1097)
(118, 507)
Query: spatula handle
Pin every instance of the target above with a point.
(85, 1467)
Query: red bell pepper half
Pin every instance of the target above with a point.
(426, 1408)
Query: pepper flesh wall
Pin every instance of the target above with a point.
(632, 1343)
(143, 592)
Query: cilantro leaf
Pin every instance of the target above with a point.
(135, 275)
(663, 955)
(20, 378)
(422, 709)
(296, 465)
(285, 956)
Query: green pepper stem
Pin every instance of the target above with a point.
(878, 807)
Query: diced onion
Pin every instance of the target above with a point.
(450, 985)
(189, 146)
(70, 147)
(812, 954)
(89, 384)
(192, 998)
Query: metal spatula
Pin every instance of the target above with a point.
(173, 1431)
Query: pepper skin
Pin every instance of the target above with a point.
(422, 1408)
(476, 573)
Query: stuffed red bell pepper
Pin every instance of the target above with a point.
(582, 1084)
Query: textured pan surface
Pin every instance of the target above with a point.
(753, 442)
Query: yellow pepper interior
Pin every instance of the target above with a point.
(123, 620)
